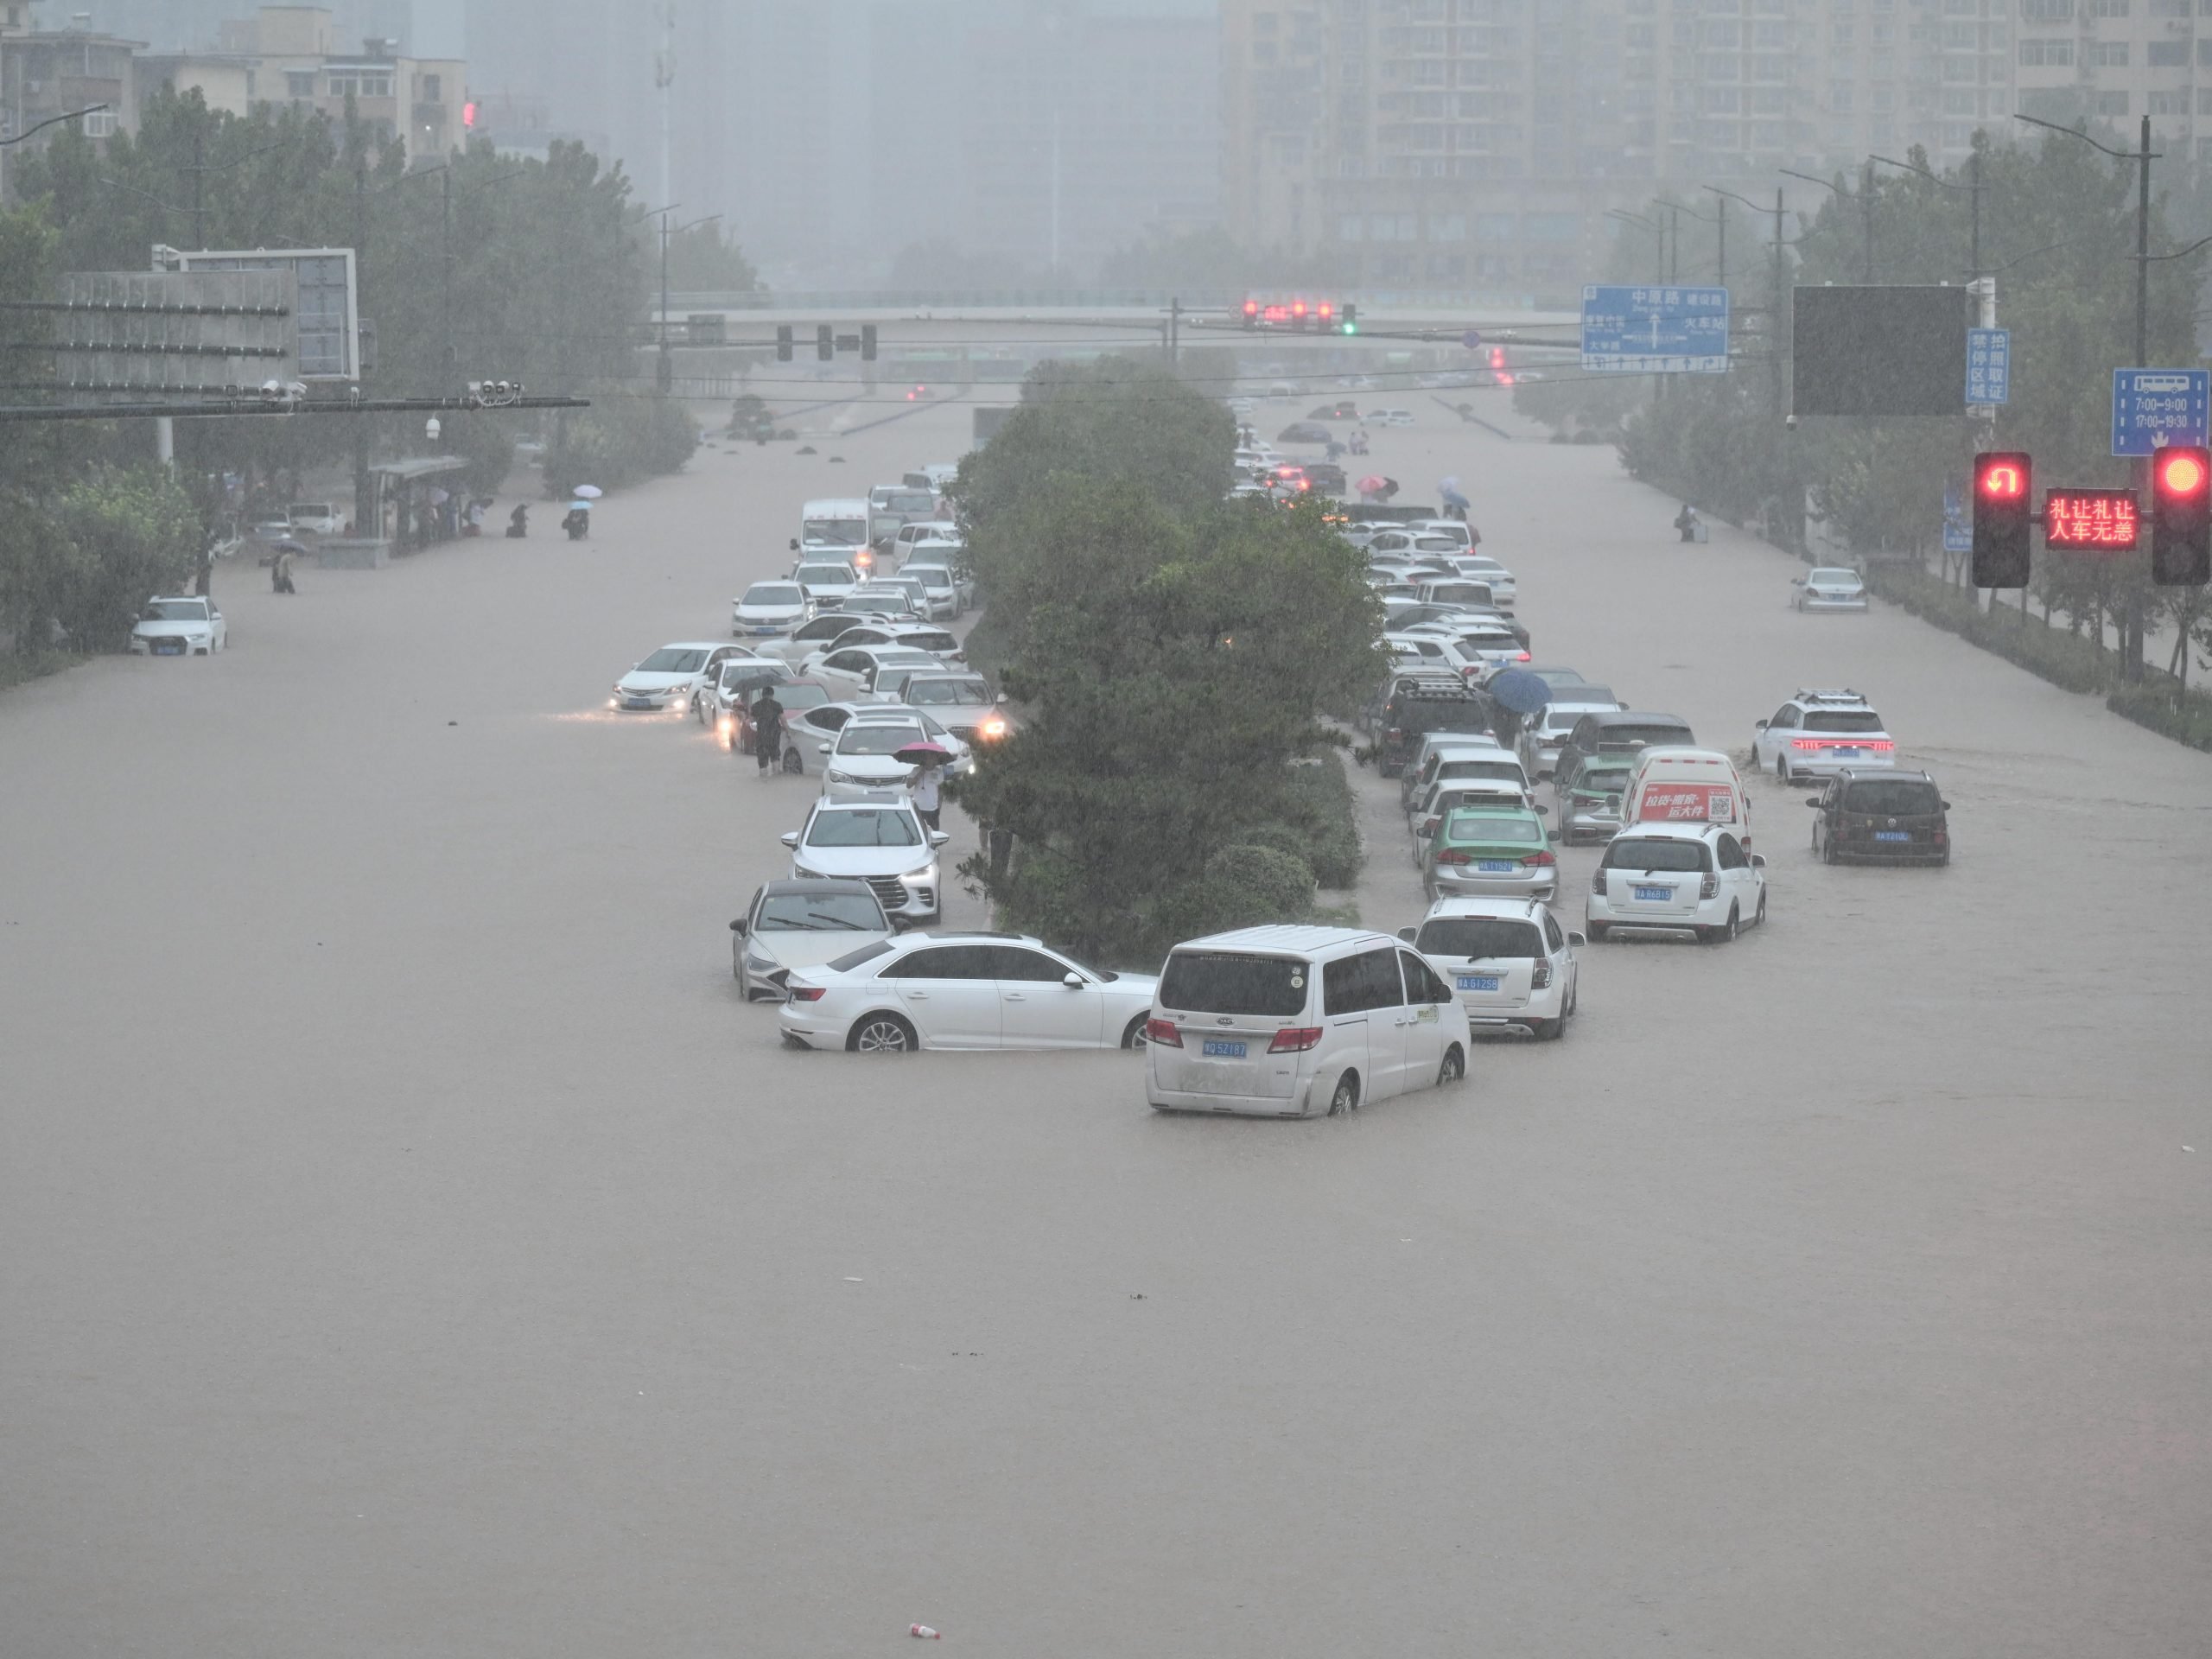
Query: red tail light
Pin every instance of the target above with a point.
(1546, 857)
(1294, 1040)
(1453, 856)
(808, 992)
(1709, 887)
(1163, 1031)
(1598, 883)
(1540, 976)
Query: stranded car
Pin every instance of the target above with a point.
(180, 627)
(1817, 734)
(1830, 588)
(673, 677)
(792, 923)
(877, 839)
(1886, 817)
(1500, 849)
(1676, 878)
(1289, 1021)
(1511, 963)
(962, 990)
(1589, 803)
(769, 607)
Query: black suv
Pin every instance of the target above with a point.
(1882, 814)
(1417, 707)
(1617, 731)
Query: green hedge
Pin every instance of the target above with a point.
(2163, 706)
(2064, 659)
(1321, 813)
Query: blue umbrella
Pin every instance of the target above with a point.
(1453, 499)
(1520, 690)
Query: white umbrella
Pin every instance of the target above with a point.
(586, 491)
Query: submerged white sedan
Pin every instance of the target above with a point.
(180, 627)
(1832, 587)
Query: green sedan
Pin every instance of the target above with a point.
(1497, 850)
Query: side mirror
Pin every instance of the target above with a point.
(1073, 981)
(1816, 803)
(821, 748)
(1796, 581)
(790, 838)
(1946, 805)
(794, 543)
(938, 837)
(737, 926)
(1000, 696)
(1576, 941)
(1758, 725)
(1542, 812)
(1759, 860)
(1407, 934)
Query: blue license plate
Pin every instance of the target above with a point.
(636, 702)
(1495, 865)
(1653, 895)
(169, 648)
(1893, 834)
(1227, 1050)
(1478, 981)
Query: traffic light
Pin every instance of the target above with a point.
(782, 342)
(826, 341)
(1251, 313)
(867, 342)
(1351, 318)
(2181, 516)
(1298, 316)
(2004, 496)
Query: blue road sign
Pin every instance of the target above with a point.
(1957, 538)
(1660, 329)
(2151, 407)
(1989, 365)
(1473, 339)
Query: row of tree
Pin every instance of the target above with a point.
(1177, 652)
(482, 268)
(2056, 226)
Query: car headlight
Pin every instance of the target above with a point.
(842, 778)
(755, 958)
(993, 729)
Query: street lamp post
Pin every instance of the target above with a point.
(1719, 217)
(664, 369)
(1866, 204)
(1972, 187)
(1773, 313)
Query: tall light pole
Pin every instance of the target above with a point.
(664, 369)
(1972, 187)
(1866, 203)
(1720, 217)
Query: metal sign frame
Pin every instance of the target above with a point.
(316, 319)
(137, 337)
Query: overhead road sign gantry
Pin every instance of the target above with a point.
(1659, 329)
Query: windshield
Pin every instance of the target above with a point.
(970, 694)
(930, 576)
(865, 826)
(880, 604)
(827, 575)
(836, 532)
(877, 740)
(1644, 854)
(747, 673)
(673, 659)
(1601, 780)
(1491, 826)
(773, 593)
(817, 912)
(802, 696)
(1218, 982)
(1897, 796)
(1646, 734)
(1479, 936)
(177, 610)
(912, 501)
(1835, 578)
(1833, 720)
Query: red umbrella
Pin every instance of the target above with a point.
(922, 754)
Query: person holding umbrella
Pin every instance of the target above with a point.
(1520, 695)
(925, 784)
(767, 730)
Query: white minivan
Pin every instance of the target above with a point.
(1673, 784)
(1292, 1020)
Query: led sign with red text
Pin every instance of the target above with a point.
(2088, 521)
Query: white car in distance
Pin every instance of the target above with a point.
(1676, 878)
(1831, 588)
(768, 607)
(964, 990)
(863, 759)
(675, 679)
(1511, 963)
(178, 626)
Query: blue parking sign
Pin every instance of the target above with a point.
(1989, 365)
(2153, 407)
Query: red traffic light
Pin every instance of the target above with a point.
(1251, 307)
(2182, 473)
(1327, 310)
(2001, 478)
(1298, 308)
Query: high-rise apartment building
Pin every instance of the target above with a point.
(1454, 144)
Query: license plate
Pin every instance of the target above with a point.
(636, 702)
(1845, 748)
(169, 648)
(1227, 1050)
(1893, 834)
(1478, 981)
(1494, 865)
(1653, 895)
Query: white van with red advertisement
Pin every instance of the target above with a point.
(1684, 785)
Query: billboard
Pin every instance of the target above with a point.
(1880, 351)
(130, 336)
(329, 301)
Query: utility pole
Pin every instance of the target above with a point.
(664, 85)
(1867, 205)
(366, 524)
(445, 190)
(1175, 330)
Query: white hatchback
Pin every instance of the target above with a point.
(961, 991)
(1512, 965)
(1676, 878)
(1289, 1021)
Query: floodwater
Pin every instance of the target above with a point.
(409, 1245)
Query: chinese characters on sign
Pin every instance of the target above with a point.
(1989, 365)
(2152, 407)
(1689, 803)
(1655, 330)
(2088, 521)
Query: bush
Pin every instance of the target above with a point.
(619, 440)
(2061, 659)
(1245, 886)
(2164, 707)
(1321, 810)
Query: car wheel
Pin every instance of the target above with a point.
(1345, 1101)
(1453, 1069)
(881, 1034)
(1132, 1033)
(1828, 855)
(1723, 933)
(792, 763)
(1758, 916)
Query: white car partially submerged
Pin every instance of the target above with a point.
(180, 627)
(673, 677)
(1831, 588)
(769, 607)
(793, 924)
